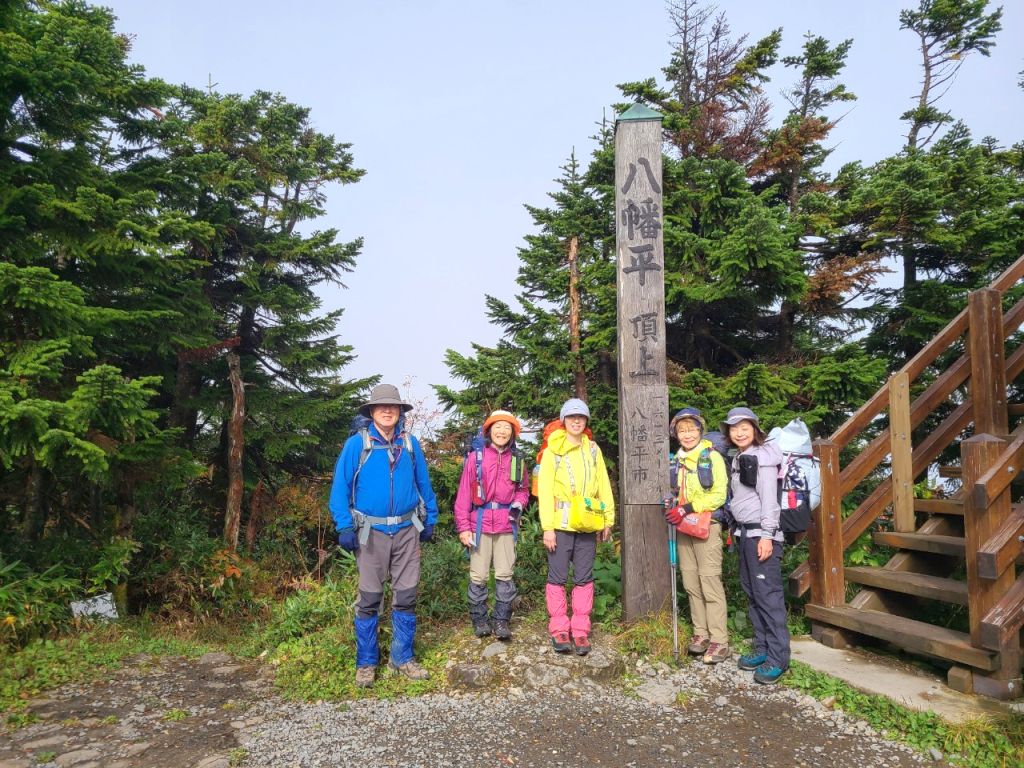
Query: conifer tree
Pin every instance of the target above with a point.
(533, 369)
(252, 170)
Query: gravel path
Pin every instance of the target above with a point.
(699, 716)
(505, 704)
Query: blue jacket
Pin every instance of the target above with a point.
(380, 490)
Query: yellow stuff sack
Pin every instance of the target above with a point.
(586, 515)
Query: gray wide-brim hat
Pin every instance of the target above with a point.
(735, 416)
(383, 394)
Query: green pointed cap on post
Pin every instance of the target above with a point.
(639, 112)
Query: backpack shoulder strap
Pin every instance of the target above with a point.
(367, 449)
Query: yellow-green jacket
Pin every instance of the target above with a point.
(702, 500)
(588, 473)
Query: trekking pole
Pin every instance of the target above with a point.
(672, 565)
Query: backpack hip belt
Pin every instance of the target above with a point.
(363, 523)
(480, 519)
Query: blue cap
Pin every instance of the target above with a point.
(574, 407)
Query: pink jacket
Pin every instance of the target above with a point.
(497, 487)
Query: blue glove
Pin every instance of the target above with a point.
(348, 541)
(427, 533)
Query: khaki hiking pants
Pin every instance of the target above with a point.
(700, 563)
(496, 548)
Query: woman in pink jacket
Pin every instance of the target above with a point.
(487, 511)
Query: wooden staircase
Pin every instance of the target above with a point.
(934, 538)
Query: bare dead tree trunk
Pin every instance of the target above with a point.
(233, 510)
(579, 375)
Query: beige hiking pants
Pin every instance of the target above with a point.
(497, 547)
(700, 563)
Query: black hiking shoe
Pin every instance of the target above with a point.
(502, 631)
(482, 628)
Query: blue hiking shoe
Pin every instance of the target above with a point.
(751, 661)
(768, 674)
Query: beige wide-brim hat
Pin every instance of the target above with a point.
(383, 394)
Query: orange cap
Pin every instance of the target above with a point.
(497, 416)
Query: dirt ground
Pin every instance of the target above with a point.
(218, 712)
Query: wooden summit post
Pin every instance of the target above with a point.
(643, 394)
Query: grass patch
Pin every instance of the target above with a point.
(651, 637)
(994, 743)
(175, 715)
(48, 664)
(322, 665)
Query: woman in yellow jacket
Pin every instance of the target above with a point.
(702, 483)
(576, 510)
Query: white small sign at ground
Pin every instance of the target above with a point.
(101, 606)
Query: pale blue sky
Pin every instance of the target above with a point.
(461, 112)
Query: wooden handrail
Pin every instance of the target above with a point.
(998, 478)
(881, 497)
(924, 454)
(944, 385)
(936, 393)
(920, 362)
(1003, 546)
(1001, 625)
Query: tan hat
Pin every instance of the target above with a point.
(383, 394)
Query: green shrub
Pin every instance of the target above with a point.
(33, 605)
(315, 607)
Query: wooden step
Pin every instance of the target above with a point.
(909, 583)
(1016, 409)
(922, 542)
(907, 633)
(939, 506)
(951, 472)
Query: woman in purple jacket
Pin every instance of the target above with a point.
(487, 511)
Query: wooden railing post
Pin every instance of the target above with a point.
(901, 452)
(828, 587)
(988, 368)
(979, 453)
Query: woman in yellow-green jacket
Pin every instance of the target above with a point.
(703, 483)
(577, 510)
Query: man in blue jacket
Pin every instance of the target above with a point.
(383, 507)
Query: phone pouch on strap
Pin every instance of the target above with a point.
(748, 470)
(586, 515)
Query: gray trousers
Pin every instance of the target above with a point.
(762, 583)
(381, 555)
(580, 549)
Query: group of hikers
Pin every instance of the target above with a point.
(384, 508)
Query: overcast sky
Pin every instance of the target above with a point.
(461, 112)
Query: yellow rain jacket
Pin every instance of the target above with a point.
(588, 474)
(691, 490)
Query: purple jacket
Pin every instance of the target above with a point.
(497, 487)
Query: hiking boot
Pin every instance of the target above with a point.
(411, 669)
(751, 661)
(581, 644)
(560, 642)
(698, 645)
(502, 631)
(482, 628)
(768, 674)
(716, 653)
(365, 677)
